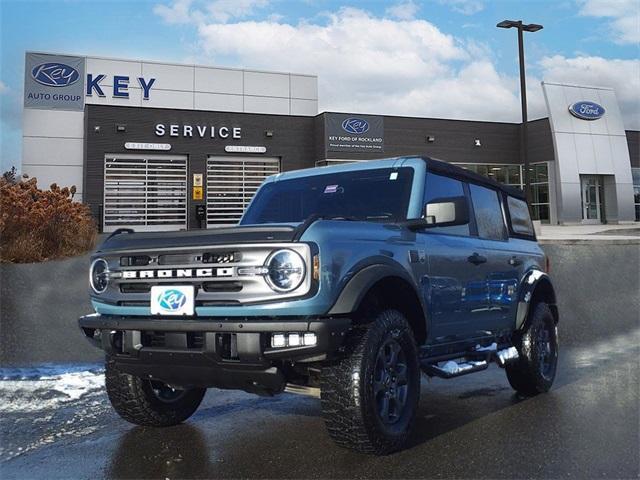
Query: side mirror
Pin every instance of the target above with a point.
(442, 212)
(446, 212)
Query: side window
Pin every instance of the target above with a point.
(438, 188)
(486, 205)
(520, 218)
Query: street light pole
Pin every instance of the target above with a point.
(524, 154)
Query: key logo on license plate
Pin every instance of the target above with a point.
(172, 300)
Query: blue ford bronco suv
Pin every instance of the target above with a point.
(353, 278)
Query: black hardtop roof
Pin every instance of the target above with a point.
(439, 166)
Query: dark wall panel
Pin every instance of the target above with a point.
(633, 141)
(293, 140)
(454, 140)
(540, 141)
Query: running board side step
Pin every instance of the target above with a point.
(453, 369)
(450, 366)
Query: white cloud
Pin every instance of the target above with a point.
(370, 64)
(466, 7)
(224, 10)
(624, 15)
(178, 12)
(403, 11)
(3, 88)
(188, 11)
(622, 75)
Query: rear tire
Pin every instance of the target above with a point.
(369, 398)
(149, 403)
(537, 346)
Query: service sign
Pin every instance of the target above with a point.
(354, 133)
(54, 82)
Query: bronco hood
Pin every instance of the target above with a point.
(197, 238)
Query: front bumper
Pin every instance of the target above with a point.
(213, 352)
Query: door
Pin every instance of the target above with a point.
(145, 192)
(453, 283)
(504, 264)
(231, 184)
(591, 199)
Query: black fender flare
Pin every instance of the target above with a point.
(533, 280)
(361, 282)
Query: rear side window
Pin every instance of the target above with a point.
(520, 218)
(486, 206)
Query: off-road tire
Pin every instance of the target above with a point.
(528, 376)
(133, 398)
(349, 405)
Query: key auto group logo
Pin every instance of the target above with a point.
(172, 300)
(356, 126)
(55, 74)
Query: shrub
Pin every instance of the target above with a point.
(38, 225)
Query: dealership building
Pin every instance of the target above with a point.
(161, 146)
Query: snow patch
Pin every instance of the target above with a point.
(46, 387)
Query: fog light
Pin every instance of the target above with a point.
(310, 339)
(278, 340)
(294, 339)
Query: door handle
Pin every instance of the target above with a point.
(477, 259)
(515, 261)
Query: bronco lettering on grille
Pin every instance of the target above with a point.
(178, 273)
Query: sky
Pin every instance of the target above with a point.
(426, 58)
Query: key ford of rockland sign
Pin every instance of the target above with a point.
(347, 133)
(58, 82)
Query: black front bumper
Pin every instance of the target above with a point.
(214, 352)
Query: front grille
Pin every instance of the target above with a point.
(222, 286)
(135, 287)
(227, 346)
(174, 340)
(213, 271)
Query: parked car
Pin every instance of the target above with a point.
(354, 278)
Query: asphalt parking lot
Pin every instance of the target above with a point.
(56, 422)
(472, 427)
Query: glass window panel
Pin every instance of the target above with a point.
(513, 175)
(540, 173)
(520, 219)
(540, 193)
(486, 206)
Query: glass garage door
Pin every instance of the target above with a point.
(231, 184)
(145, 192)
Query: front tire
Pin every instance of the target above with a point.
(537, 346)
(149, 403)
(369, 398)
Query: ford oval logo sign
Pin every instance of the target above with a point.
(357, 126)
(172, 300)
(586, 110)
(55, 74)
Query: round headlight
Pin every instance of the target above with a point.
(286, 270)
(99, 275)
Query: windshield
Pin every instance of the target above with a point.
(380, 195)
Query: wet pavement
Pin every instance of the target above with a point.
(56, 423)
